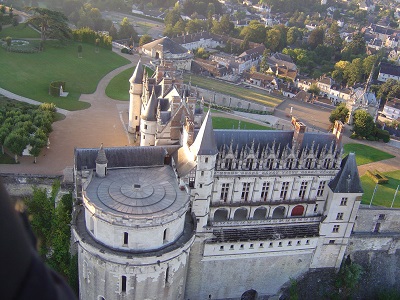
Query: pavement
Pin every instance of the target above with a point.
(106, 122)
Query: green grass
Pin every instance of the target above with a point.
(384, 193)
(226, 123)
(19, 32)
(118, 87)
(233, 90)
(366, 154)
(29, 75)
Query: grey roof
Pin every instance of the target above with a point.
(137, 76)
(262, 137)
(166, 44)
(204, 143)
(184, 161)
(138, 191)
(151, 109)
(317, 138)
(347, 180)
(101, 156)
(120, 157)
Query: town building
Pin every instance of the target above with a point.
(213, 214)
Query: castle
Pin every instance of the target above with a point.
(198, 213)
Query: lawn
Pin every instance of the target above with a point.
(226, 123)
(118, 87)
(233, 90)
(29, 75)
(19, 32)
(366, 154)
(384, 193)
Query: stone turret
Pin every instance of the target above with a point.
(135, 92)
(101, 163)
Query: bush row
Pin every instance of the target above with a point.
(379, 134)
(87, 35)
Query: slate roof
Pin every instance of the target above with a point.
(137, 76)
(151, 110)
(204, 143)
(101, 156)
(184, 161)
(120, 157)
(347, 180)
(166, 44)
(389, 69)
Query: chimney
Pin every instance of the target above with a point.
(337, 131)
(299, 130)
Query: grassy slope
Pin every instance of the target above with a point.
(384, 193)
(29, 75)
(233, 90)
(118, 88)
(226, 123)
(366, 154)
(19, 32)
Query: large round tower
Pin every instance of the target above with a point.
(135, 101)
(133, 231)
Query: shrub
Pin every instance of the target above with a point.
(54, 88)
(15, 21)
(382, 135)
(124, 50)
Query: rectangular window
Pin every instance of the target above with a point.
(303, 189)
(381, 217)
(206, 160)
(327, 163)
(335, 228)
(264, 191)
(200, 185)
(315, 208)
(331, 242)
(245, 191)
(145, 126)
(136, 117)
(202, 173)
(123, 284)
(290, 163)
(228, 164)
(321, 188)
(308, 163)
(339, 216)
(343, 202)
(249, 163)
(284, 190)
(125, 238)
(224, 191)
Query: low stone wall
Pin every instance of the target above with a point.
(228, 101)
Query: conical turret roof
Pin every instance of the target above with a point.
(347, 180)
(137, 76)
(151, 109)
(101, 156)
(204, 143)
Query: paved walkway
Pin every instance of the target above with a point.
(105, 122)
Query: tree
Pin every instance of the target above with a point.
(264, 61)
(254, 32)
(332, 37)
(363, 125)
(314, 89)
(340, 113)
(293, 35)
(354, 72)
(348, 277)
(5, 130)
(316, 37)
(8, 42)
(223, 27)
(16, 142)
(113, 32)
(273, 39)
(145, 39)
(126, 30)
(37, 141)
(355, 47)
(52, 24)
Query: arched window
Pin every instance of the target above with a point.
(260, 213)
(221, 215)
(278, 213)
(165, 235)
(240, 214)
(297, 210)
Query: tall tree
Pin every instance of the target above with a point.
(127, 31)
(341, 113)
(16, 142)
(52, 24)
(273, 39)
(37, 141)
(354, 72)
(332, 37)
(293, 35)
(316, 37)
(363, 124)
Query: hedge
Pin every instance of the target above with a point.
(54, 88)
(87, 35)
(383, 135)
(377, 177)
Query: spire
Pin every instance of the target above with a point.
(101, 156)
(151, 109)
(347, 180)
(137, 76)
(204, 143)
